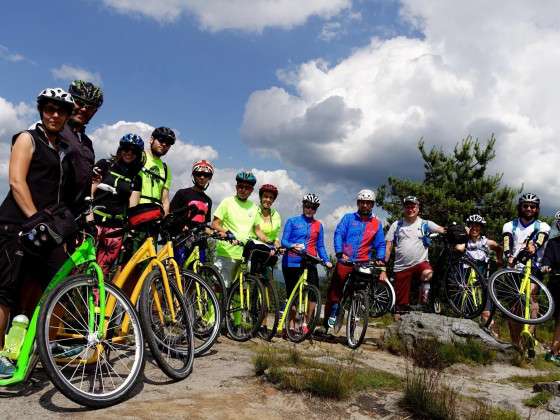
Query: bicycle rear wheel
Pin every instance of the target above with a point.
(465, 289)
(307, 307)
(90, 367)
(272, 312)
(170, 338)
(358, 319)
(381, 298)
(245, 308)
(504, 289)
(214, 279)
(205, 309)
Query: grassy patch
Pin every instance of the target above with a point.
(394, 345)
(295, 371)
(435, 355)
(488, 412)
(427, 397)
(538, 400)
(383, 321)
(531, 380)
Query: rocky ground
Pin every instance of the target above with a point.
(224, 386)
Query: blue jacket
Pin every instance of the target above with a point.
(358, 236)
(307, 231)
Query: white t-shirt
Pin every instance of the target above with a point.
(522, 233)
(409, 249)
(478, 250)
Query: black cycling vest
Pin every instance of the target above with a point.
(44, 179)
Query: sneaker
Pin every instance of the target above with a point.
(7, 368)
(59, 350)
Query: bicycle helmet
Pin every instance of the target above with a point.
(411, 199)
(131, 139)
(57, 95)
(246, 177)
(475, 218)
(366, 195)
(557, 215)
(530, 198)
(164, 133)
(86, 92)
(311, 199)
(270, 188)
(202, 166)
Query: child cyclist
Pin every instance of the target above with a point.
(478, 248)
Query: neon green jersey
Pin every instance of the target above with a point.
(239, 218)
(271, 229)
(156, 177)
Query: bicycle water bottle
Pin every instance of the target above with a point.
(14, 339)
(332, 316)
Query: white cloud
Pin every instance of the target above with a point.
(6, 54)
(480, 68)
(69, 73)
(245, 15)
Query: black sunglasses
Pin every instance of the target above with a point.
(529, 206)
(165, 142)
(310, 206)
(82, 104)
(204, 174)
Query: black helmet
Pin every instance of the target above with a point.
(164, 133)
(86, 92)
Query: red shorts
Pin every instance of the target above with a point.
(403, 281)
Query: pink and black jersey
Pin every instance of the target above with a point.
(198, 205)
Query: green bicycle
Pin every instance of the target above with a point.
(73, 332)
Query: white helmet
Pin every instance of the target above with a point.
(557, 215)
(57, 95)
(366, 195)
(475, 218)
(312, 199)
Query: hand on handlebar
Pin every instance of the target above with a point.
(328, 264)
(299, 247)
(546, 269)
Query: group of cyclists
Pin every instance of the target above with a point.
(52, 167)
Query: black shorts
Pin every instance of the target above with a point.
(292, 275)
(554, 288)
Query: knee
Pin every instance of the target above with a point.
(427, 275)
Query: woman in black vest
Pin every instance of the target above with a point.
(121, 173)
(36, 179)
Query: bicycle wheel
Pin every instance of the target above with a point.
(170, 338)
(272, 312)
(381, 298)
(90, 368)
(214, 279)
(307, 307)
(358, 319)
(205, 309)
(244, 308)
(465, 289)
(504, 289)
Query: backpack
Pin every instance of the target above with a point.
(423, 227)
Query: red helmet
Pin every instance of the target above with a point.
(203, 166)
(270, 188)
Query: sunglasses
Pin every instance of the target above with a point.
(202, 174)
(165, 142)
(246, 187)
(310, 206)
(129, 149)
(529, 206)
(82, 104)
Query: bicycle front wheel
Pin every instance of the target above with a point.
(381, 298)
(167, 326)
(245, 308)
(465, 289)
(305, 308)
(505, 291)
(272, 312)
(214, 279)
(91, 367)
(358, 319)
(205, 309)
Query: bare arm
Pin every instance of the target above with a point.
(165, 200)
(134, 199)
(260, 234)
(217, 225)
(460, 247)
(388, 249)
(20, 159)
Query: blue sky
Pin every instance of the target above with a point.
(328, 96)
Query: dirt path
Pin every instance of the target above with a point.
(223, 386)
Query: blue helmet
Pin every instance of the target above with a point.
(247, 177)
(132, 140)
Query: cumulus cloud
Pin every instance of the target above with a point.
(478, 69)
(245, 15)
(67, 72)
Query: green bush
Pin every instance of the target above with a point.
(435, 355)
(485, 411)
(538, 400)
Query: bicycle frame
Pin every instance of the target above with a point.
(84, 254)
(302, 281)
(525, 289)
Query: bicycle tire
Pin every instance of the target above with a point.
(272, 312)
(54, 310)
(171, 342)
(205, 309)
(297, 335)
(465, 300)
(381, 298)
(242, 322)
(506, 282)
(358, 313)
